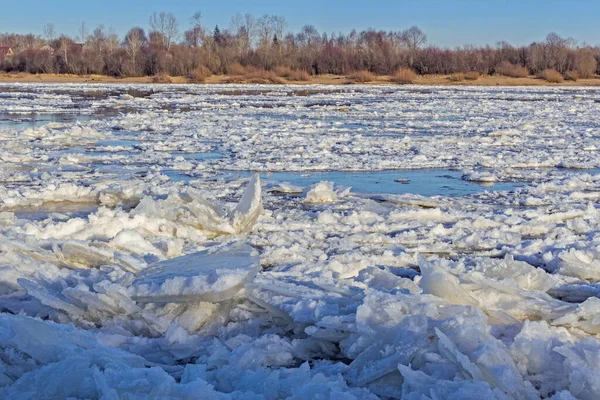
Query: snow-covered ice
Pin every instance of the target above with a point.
(142, 256)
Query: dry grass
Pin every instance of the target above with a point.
(572, 76)
(237, 73)
(425, 80)
(233, 79)
(361, 77)
(551, 76)
(404, 76)
(456, 77)
(162, 78)
(472, 75)
(200, 74)
(512, 70)
(295, 75)
(256, 75)
(236, 69)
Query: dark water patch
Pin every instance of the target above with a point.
(118, 143)
(209, 155)
(426, 182)
(35, 120)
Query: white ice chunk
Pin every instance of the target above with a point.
(209, 275)
(441, 283)
(243, 217)
(321, 193)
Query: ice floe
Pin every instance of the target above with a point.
(134, 266)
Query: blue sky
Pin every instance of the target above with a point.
(447, 23)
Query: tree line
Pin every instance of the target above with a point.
(263, 43)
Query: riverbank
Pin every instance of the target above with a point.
(426, 80)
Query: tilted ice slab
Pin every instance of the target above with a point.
(189, 209)
(212, 275)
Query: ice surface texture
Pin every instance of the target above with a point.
(131, 268)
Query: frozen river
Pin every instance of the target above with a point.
(299, 241)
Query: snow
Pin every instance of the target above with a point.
(136, 264)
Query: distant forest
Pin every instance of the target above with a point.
(263, 44)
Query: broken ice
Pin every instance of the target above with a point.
(137, 260)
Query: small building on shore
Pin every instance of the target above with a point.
(6, 51)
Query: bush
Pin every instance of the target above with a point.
(236, 69)
(572, 76)
(551, 76)
(162, 78)
(456, 77)
(200, 74)
(257, 75)
(361, 77)
(404, 76)
(511, 70)
(472, 76)
(292, 74)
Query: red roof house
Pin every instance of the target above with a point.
(6, 51)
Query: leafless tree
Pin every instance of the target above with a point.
(83, 33)
(414, 38)
(49, 31)
(165, 24)
(193, 36)
(263, 44)
(134, 41)
(97, 40)
(270, 26)
(112, 40)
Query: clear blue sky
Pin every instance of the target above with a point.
(447, 23)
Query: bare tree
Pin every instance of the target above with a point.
(134, 41)
(49, 31)
(586, 64)
(97, 39)
(414, 38)
(243, 27)
(193, 36)
(197, 19)
(166, 25)
(64, 47)
(112, 40)
(83, 32)
(557, 52)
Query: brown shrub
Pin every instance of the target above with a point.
(472, 75)
(200, 74)
(361, 77)
(551, 76)
(572, 76)
(162, 78)
(257, 75)
(236, 69)
(292, 74)
(511, 70)
(404, 76)
(456, 77)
